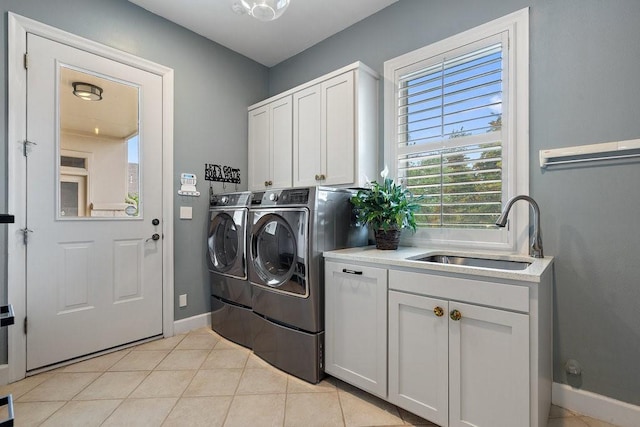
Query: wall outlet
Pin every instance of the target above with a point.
(182, 300)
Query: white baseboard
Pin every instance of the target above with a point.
(190, 323)
(595, 405)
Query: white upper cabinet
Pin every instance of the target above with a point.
(308, 144)
(333, 135)
(324, 133)
(270, 145)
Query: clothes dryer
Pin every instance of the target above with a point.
(227, 261)
(289, 230)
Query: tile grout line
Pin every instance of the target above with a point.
(68, 401)
(175, 404)
(344, 418)
(129, 394)
(224, 416)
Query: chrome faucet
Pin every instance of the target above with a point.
(536, 240)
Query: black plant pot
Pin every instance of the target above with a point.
(387, 239)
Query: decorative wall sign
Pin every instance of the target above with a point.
(220, 173)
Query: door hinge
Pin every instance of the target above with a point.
(26, 61)
(25, 325)
(25, 147)
(25, 234)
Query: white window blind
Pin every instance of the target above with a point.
(449, 135)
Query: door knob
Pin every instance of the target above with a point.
(155, 221)
(154, 237)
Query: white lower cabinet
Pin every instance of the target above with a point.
(419, 355)
(356, 325)
(458, 364)
(488, 367)
(462, 350)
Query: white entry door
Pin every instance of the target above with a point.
(94, 203)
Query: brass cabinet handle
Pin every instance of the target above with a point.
(455, 315)
(317, 177)
(438, 311)
(322, 177)
(266, 183)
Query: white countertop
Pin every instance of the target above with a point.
(402, 257)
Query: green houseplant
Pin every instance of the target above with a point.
(387, 208)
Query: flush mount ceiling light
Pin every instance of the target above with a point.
(265, 10)
(87, 91)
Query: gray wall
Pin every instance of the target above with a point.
(213, 87)
(584, 60)
(585, 57)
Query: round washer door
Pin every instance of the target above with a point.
(278, 251)
(226, 245)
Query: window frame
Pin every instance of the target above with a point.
(515, 131)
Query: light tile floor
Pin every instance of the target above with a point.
(201, 379)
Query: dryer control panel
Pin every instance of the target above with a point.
(240, 199)
(292, 196)
(296, 196)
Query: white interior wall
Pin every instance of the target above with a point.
(108, 168)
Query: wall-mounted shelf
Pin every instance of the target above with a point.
(590, 153)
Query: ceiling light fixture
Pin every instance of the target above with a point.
(265, 10)
(87, 91)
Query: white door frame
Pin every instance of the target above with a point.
(18, 28)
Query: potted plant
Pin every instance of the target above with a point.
(387, 208)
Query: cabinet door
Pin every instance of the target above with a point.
(488, 367)
(356, 325)
(259, 148)
(418, 355)
(281, 143)
(307, 162)
(338, 130)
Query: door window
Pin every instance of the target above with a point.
(276, 255)
(224, 242)
(98, 148)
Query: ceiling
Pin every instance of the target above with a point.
(115, 116)
(304, 23)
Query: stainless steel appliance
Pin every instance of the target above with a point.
(227, 260)
(289, 231)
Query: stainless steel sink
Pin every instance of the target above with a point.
(496, 264)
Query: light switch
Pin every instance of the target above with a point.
(185, 212)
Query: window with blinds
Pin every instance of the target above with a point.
(449, 136)
(456, 126)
